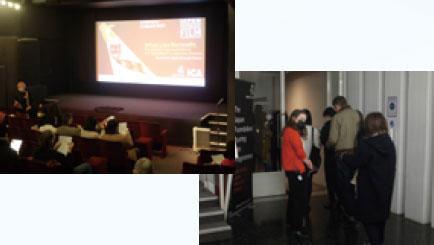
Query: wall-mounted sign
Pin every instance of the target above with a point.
(392, 106)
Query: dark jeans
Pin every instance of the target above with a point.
(375, 232)
(297, 200)
(346, 190)
(330, 175)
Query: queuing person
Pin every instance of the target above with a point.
(111, 133)
(47, 151)
(91, 129)
(296, 165)
(329, 158)
(8, 156)
(344, 129)
(67, 128)
(22, 101)
(375, 160)
(311, 145)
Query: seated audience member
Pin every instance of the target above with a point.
(230, 157)
(46, 122)
(143, 166)
(91, 128)
(47, 151)
(111, 133)
(8, 157)
(67, 129)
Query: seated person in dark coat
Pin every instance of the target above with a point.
(47, 151)
(8, 157)
(375, 160)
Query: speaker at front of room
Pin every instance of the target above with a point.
(29, 62)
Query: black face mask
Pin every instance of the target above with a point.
(301, 125)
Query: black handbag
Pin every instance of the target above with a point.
(315, 155)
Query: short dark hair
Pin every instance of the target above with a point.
(65, 118)
(329, 111)
(90, 124)
(112, 127)
(340, 100)
(375, 123)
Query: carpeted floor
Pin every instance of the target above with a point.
(172, 163)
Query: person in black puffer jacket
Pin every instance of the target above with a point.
(375, 160)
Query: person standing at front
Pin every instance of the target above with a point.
(296, 166)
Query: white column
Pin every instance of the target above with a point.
(396, 85)
(373, 91)
(418, 174)
(354, 82)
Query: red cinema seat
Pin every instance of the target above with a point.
(117, 156)
(31, 166)
(143, 142)
(158, 136)
(90, 150)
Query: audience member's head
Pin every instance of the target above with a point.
(21, 86)
(328, 113)
(297, 121)
(46, 120)
(231, 150)
(90, 124)
(339, 102)
(66, 119)
(143, 166)
(112, 127)
(46, 139)
(375, 123)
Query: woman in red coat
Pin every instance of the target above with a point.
(296, 165)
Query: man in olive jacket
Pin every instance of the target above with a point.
(344, 129)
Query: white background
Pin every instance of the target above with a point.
(99, 209)
(334, 35)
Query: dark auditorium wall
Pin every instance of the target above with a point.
(80, 41)
(38, 55)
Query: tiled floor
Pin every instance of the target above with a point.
(265, 224)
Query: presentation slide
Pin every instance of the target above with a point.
(164, 51)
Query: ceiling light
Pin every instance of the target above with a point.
(10, 4)
(17, 6)
(3, 2)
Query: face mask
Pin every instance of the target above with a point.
(301, 124)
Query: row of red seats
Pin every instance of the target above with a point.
(147, 135)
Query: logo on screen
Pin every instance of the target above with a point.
(115, 50)
(191, 29)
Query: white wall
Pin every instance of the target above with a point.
(412, 132)
(308, 90)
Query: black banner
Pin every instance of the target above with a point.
(244, 133)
